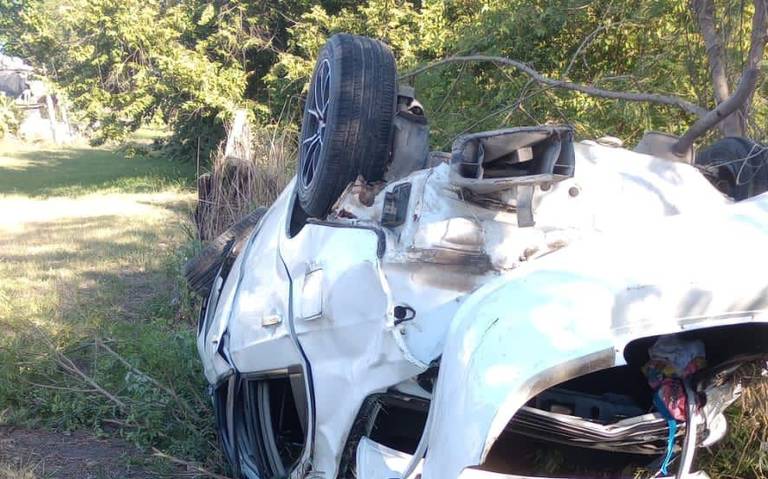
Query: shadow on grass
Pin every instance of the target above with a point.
(106, 264)
(74, 171)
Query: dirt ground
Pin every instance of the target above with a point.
(44, 454)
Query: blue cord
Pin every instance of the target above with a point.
(672, 425)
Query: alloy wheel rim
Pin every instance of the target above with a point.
(318, 102)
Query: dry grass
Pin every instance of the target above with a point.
(69, 262)
(79, 222)
(755, 393)
(743, 453)
(250, 171)
(20, 471)
(90, 244)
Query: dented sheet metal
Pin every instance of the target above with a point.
(478, 474)
(582, 306)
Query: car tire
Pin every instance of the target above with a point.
(736, 166)
(219, 254)
(347, 125)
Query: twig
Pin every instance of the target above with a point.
(587, 40)
(517, 103)
(66, 363)
(670, 100)
(712, 118)
(57, 388)
(450, 89)
(70, 366)
(188, 464)
(148, 378)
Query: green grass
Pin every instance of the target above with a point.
(41, 171)
(91, 244)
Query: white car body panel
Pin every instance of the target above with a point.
(375, 461)
(579, 307)
(353, 324)
(604, 265)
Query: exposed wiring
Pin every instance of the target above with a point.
(672, 425)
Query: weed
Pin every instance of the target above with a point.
(19, 471)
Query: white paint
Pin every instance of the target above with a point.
(375, 461)
(352, 349)
(478, 474)
(606, 292)
(312, 295)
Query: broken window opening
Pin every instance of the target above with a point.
(270, 425)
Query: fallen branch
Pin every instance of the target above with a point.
(188, 464)
(670, 100)
(68, 365)
(148, 378)
(57, 388)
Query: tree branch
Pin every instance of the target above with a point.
(188, 465)
(733, 125)
(705, 16)
(148, 378)
(674, 101)
(743, 94)
(758, 40)
(587, 40)
(759, 35)
(734, 102)
(68, 365)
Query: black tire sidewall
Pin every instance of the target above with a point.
(202, 270)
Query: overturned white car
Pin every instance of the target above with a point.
(525, 306)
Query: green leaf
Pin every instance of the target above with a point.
(208, 12)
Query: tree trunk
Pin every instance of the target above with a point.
(734, 124)
(736, 105)
(758, 40)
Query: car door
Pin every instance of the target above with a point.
(341, 318)
(246, 327)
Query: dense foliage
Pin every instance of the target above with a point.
(193, 61)
(124, 62)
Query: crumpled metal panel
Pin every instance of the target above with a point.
(574, 311)
(352, 346)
